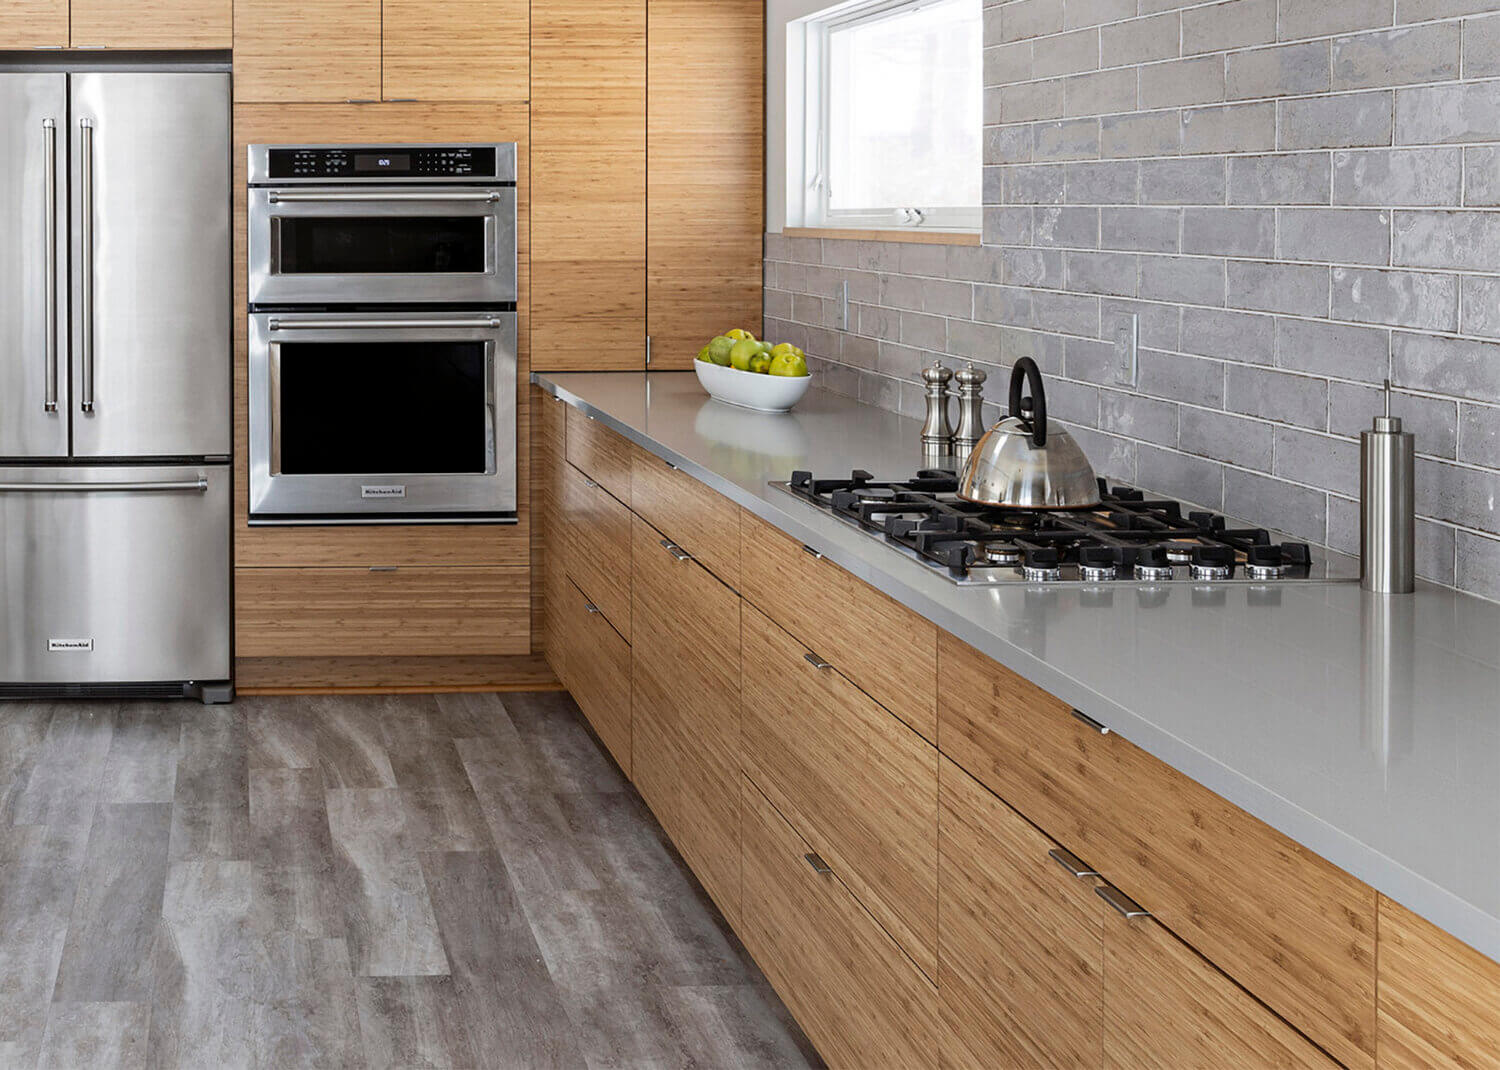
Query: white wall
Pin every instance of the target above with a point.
(778, 14)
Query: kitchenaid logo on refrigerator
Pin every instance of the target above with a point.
(383, 490)
(57, 645)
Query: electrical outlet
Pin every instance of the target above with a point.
(1127, 336)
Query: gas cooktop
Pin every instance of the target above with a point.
(1130, 536)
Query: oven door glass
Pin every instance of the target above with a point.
(414, 245)
(391, 407)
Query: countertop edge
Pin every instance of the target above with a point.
(1430, 901)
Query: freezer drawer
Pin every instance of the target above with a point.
(114, 574)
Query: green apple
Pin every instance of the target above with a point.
(789, 364)
(744, 349)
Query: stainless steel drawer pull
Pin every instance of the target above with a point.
(816, 662)
(86, 269)
(199, 485)
(806, 549)
(379, 324)
(675, 550)
(591, 607)
(1127, 907)
(1097, 726)
(1071, 862)
(279, 196)
(384, 568)
(817, 863)
(49, 262)
(587, 482)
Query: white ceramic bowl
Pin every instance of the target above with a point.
(751, 390)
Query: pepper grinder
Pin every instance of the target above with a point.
(937, 432)
(1387, 529)
(970, 411)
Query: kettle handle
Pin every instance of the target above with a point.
(1026, 369)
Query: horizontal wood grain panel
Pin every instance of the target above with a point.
(845, 620)
(595, 528)
(855, 782)
(455, 50)
(356, 675)
(599, 675)
(307, 50)
(701, 521)
(152, 24)
(306, 612)
(599, 453)
(34, 24)
(852, 990)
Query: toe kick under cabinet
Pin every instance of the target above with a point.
(935, 862)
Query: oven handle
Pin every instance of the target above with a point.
(290, 196)
(376, 324)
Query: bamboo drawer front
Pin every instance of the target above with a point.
(855, 782)
(886, 649)
(597, 672)
(702, 521)
(854, 993)
(596, 533)
(313, 612)
(1439, 998)
(599, 453)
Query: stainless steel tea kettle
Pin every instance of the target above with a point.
(1024, 462)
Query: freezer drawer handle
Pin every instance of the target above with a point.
(200, 485)
(49, 259)
(293, 196)
(379, 324)
(86, 270)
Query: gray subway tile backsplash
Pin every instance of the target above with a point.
(1294, 199)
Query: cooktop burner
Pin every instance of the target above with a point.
(1129, 536)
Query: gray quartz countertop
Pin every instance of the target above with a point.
(1366, 728)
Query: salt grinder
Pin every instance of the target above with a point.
(937, 432)
(1387, 529)
(970, 412)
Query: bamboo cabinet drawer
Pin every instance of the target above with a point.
(596, 541)
(853, 991)
(599, 453)
(1021, 953)
(686, 679)
(1293, 929)
(1168, 1007)
(855, 782)
(885, 648)
(596, 669)
(700, 520)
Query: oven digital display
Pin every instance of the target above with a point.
(382, 161)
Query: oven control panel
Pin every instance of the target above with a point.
(403, 163)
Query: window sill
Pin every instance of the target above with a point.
(911, 237)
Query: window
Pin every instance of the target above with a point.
(891, 102)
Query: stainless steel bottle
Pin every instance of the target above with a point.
(1387, 530)
(937, 432)
(970, 412)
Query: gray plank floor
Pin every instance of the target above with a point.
(383, 881)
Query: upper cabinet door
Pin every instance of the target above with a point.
(151, 282)
(34, 24)
(307, 50)
(588, 190)
(705, 195)
(456, 50)
(152, 23)
(33, 265)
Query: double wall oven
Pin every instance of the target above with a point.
(382, 290)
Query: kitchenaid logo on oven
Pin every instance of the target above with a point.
(383, 490)
(61, 645)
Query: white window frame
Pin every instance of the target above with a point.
(808, 134)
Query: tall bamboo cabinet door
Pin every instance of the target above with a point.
(456, 50)
(34, 24)
(687, 660)
(588, 189)
(157, 24)
(306, 50)
(705, 201)
(1166, 1006)
(1021, 939)
(1439, 998)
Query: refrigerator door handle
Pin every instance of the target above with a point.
(86, 269)
(49, 261)
(200, 485)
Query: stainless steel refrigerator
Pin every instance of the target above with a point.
(115, 357)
